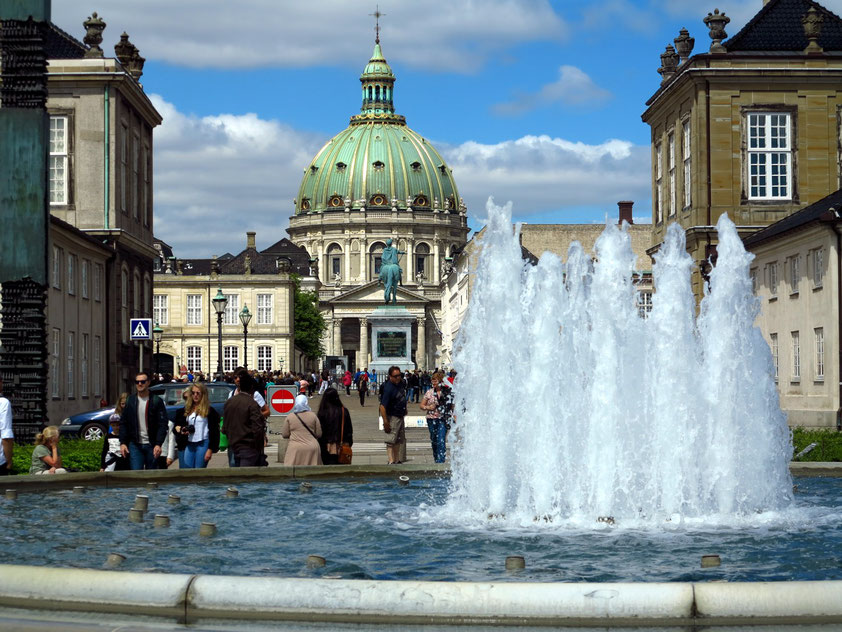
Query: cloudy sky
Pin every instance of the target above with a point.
(533, 101)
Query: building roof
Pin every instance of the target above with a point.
(777, 27)
(61, 45)
(821, 210)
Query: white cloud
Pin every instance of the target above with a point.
(457, 34)
(217, 177)
(573, 87)
(540, 174)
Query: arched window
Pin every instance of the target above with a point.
(375, 259)
(422, 262)
(416, 166)
(370, 95)
(378, 165)
(334, 261)
(377, 93)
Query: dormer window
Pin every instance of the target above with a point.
(421, 200)
(443, 169)
(340, 166)
(378, 166)
(335, 201)
(313, 168)
(379, 200)
(416, 166)
(305, 204)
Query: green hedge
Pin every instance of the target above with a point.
(77, 455)
(829, 446)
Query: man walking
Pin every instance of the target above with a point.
(362, 386)
(143, 426)
(245, 427)
(393, 411)
(7, 437)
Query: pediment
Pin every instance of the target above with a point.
(372, 293)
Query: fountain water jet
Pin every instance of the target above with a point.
(574, 406)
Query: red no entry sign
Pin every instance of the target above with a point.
(281, 399)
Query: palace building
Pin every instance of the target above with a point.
(375, 180)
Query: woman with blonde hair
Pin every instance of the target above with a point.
(197, 428)
(46, 459)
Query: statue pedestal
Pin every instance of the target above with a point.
(391, 338)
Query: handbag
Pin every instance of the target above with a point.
(345, 451)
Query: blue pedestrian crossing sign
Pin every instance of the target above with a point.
(141, 328)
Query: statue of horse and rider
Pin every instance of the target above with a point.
(390, 272)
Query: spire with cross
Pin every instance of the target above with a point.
(377, 15)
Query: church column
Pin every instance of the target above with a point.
(362, 361)
(363, 260)
(327, 336)
(436, 262)
(346, 276)
(410, 260)
(421, 350)
(337, 335)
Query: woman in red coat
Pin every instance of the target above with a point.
(347, 380)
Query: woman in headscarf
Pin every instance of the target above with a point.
(334, 418)
(303, 430)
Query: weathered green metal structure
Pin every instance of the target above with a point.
(24, 210)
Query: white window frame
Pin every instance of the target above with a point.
(194, 358)
(58, 167)
(58, 255)
(685, 131)
(671, 167)
(817, 259)
(232, 310)
(794, 274)
(264, 357)
(71, 378)
(83, 367)
(265, 303)
(659, 189)
(818, 336)
(71, 274)
(773, 344)
(753, 276)
(97, 282)
(84, 272)
(160, 309)
(773, 279)
(769, 150)
(194, 309)
(55, 364)
(796, 356)
(643, 299)
(97, 368)
(230, 358)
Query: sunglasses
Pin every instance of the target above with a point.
(141, 381)
(395, 375)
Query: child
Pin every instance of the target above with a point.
(46, 459)
(112, 459)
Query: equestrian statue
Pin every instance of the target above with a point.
(390, 272)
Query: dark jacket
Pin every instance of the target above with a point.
(213, 430)
(156, 421)
(242, 422)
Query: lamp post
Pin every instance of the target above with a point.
(245, 317)
(157, 332)
(219, 302)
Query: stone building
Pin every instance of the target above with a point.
(749, 127)
(378, 180)
(100, 182)
(255, 279)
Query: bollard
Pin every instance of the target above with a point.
(135, 515)
(231, 492)
(207, 529)
(315, 561)
(141, 502)
(114, 559)
(11, 494)
(173, 499)
(403, 480)
(152, 485)
(78, 489)
(515, 563)
(710, 561)
(305, 487)
(161, 520)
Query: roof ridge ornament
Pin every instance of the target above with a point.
(812, 21)
(377, 15)
(94, 26)
(716, 22)
(684, 45)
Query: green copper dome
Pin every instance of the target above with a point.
(377, 161)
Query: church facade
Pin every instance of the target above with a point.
(378, 180)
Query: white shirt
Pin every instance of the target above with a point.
(201, 424)
(5, 424)
(143, 433)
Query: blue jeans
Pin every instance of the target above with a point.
(141, 457)
(410, 393)
(194, 454)
(438, 438)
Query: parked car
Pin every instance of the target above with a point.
(93, 425)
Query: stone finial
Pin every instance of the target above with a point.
(94, 26)
(716, 22)
(669, 64)
(812, 22)
(129, 57)
(179, 267)
(684, 45)
(214, 268)
(247, 264)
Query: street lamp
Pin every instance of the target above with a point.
(219, 302)
(245, 317)
(157, 332)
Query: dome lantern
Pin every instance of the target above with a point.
(378, 84)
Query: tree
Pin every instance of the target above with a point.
(308, 321)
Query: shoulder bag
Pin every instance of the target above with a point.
(345, 451)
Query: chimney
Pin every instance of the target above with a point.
(250, 239)
(625, 211)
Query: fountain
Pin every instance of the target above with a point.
(667, 418)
